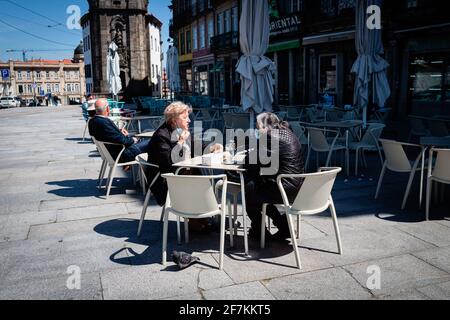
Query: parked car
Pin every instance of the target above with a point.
(8, 102)
(34, 104)
(18, 101)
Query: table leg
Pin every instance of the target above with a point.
(139, 126)
(244, 212)
(347, 155)
(422, 168)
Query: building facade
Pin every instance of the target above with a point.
(87, 56)
(46, 81)
(123, 22)
(156, 55)
(312, 43)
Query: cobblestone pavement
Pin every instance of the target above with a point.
(55, 224)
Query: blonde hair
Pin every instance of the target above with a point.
(174, 110)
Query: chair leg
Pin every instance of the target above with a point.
(380, 180)
(222, 239)
(327, 164)
(408, 188)
(299, 226)
(144, 211)
(429, 188)
(294, 240)
(347, 158)
(235, 211)
(164, 244)
(178, 231)
(307, 158)
(336, 227)
(101, 173)
(186, 230)
(422, 169)
(356, 161)
(263, 226)
(230, 221)
(162, 213)
(84, 133)
(110, 181)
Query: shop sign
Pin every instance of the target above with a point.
(285, 25)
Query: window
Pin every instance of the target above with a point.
(151, 43)
(153, 70)
(235, 19)
(28, 75)
(77, 87)
(327, 74)
(346, 6)
(188, 41)
(57, 87)
(19, 75)
(87, 71)
(68, 87)
(49, 88)
(30, 88)
(296, 5)
(182, 43)
(38, 75)
(411, 4)
(47, 75)
(194, 38)
(56, 75)
(228, 20)
(220, 23)
(202, 35)
(156, 46)
(210, 28)
(20, 89)
(157, 71)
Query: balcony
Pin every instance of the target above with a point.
(225, 42)
(329, 15)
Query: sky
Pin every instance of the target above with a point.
(42, 20)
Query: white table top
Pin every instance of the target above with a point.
(338, 124)
(145, 134)
(198, 163)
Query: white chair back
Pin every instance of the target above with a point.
(395, 156)
(318, 140)
(299, 131)
(373, 134)
(314, 194)
(441, 169)
(103, 150)
(193, 195)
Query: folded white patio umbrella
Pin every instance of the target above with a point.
(113, 70)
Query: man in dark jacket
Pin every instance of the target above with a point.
(104, 130)
(283, 149)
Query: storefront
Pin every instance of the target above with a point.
(186, 77)
(202, 70)
(328, 62)
(226, 79)
(285, 51)
(424, 71)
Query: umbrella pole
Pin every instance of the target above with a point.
(252, 119)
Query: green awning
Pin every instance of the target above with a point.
(293, 44)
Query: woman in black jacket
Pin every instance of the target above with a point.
(283, 149)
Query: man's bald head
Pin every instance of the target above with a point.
(102, 107)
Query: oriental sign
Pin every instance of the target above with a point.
(285, 25)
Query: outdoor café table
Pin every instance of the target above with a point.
(138, 119)
(197, 163)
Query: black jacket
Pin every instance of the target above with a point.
(103, 129)
(290, 161)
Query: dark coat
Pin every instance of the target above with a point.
(290, 161)
(103, 129)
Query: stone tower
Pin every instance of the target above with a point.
(124, 22)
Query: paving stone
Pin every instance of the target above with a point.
(245, 291)
(429, 231)
(397, 273)
(106, 210)
(439, 291)
(329, 284)
(54, 289)
(438, 257)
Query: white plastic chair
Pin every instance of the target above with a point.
(142, 165)
(113, 164)
(313, 197)
(369, 142)
(440, 173)
(104, 163)
(320, 144)
(193, 197)
(397, 161)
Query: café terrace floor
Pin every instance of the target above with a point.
(52, 217)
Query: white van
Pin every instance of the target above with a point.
(8, 102)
